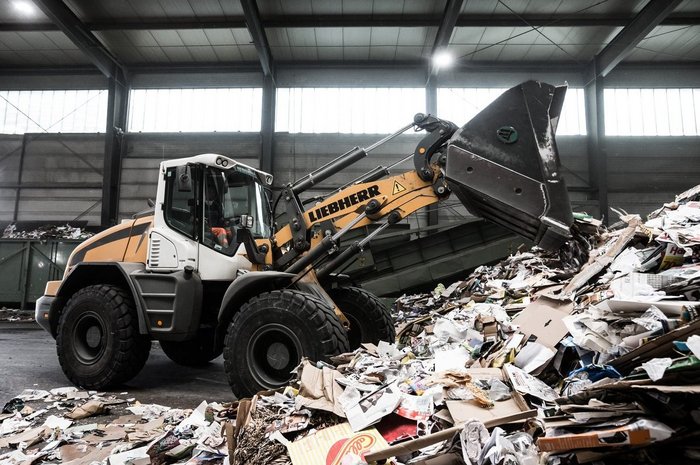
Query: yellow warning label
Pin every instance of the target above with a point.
(397, 188)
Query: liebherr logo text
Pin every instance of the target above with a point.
(345, 202)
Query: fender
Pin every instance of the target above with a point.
(87, 273)
(242, 289)
(334, 280)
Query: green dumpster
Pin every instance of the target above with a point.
(26, 265)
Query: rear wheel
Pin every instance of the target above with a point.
(195, 352)
(98, 340)
(269, 335)
(370, 320)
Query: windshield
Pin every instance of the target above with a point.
(228, 195)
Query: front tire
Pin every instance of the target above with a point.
(196, 352)
(370, 320)
(269, 335)
(98, 340)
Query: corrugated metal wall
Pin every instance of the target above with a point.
(144, 153)
(10, 149)
(62, 173)
(61, 178)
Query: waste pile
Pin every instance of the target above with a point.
(74, 427)
(15, 315)
(589, 354)
(586, 355)
(45, 232)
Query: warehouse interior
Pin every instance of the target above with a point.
(96, 94)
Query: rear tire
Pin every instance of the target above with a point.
(370, 320)
(98, 340)
(193, 353)
(269, 335)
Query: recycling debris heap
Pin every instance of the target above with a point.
(585, 355)
(49, 231)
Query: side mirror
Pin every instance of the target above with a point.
(247, 221)
(184, 178)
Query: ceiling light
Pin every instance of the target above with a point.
(443, 59)
(23, 7)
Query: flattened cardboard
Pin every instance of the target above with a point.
(88, 409)
(617, 437)
(95, 455)
(110, 433)
(319, 389)
(543, 318)
(463, 410)
(29, 437)
(328, 446)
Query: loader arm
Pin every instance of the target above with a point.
(404, 193)
(503, 165)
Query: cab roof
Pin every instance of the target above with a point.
(217, 161)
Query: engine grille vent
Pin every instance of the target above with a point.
(154, 258)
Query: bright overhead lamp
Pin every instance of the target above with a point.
(24, 7)
(443, 59)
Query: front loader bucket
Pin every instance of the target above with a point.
(504, 164)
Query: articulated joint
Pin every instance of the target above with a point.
(439, 132)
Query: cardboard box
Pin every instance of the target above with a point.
(328, 446)
(543, 319)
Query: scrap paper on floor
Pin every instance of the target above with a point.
(362, 411)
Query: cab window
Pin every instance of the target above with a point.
(180, 203)
(227, 196)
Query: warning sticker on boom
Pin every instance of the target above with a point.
(397, 188)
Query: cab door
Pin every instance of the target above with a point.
(174, 238)
(220, 255)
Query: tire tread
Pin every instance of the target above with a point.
(134, 348)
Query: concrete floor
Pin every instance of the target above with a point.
(28, 360)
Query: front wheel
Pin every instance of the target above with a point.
(98, 340)
(370, 320)
(269, 335)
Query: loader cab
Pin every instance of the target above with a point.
(201, 204)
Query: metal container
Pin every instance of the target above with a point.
(26, 265)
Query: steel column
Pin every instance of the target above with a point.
(597, 156)
(20, 172)
(267, 128)
(114, 149)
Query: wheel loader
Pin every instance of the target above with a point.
(218, 265)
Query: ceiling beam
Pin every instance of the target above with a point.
(629, 37)
(257, 32)
(68, 23)
(444, 32)
(326, 21)
(399, 66)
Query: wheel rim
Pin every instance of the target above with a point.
(89, 335)
(273, 352)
